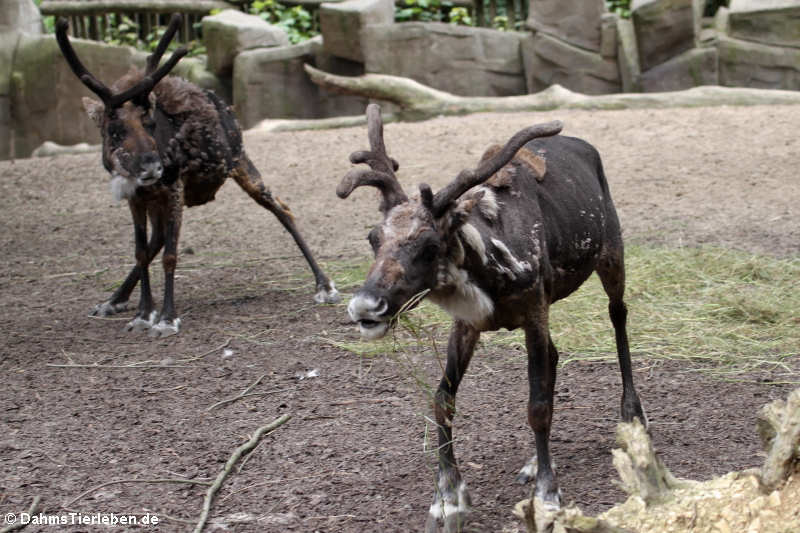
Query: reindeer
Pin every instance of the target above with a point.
(494, 248)
(167, 143)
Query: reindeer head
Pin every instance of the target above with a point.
(416, 235)
(125, 115)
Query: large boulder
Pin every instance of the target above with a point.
(271, 83)
(577, 22)
(549, 60)
(748, 64)
(341, 24)
(20, 15)
(775, 22)
(664, 29)
(692, 68)
(462, 60)
(45, 95)
(231, 32)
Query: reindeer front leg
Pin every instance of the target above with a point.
(119, 300)
(451, 501)
(170, 323)
(542, 361)
(146, 315)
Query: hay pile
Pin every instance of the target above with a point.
(765, 500)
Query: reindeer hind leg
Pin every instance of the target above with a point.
(249, 179)
(611, 271)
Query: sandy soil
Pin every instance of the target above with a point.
(353, 456)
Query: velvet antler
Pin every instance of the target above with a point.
(381, 172)
(467, 178)
(145, 85)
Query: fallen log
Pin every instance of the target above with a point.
(418, 102)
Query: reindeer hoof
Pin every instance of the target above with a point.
(327, 295)
(140, 324)
(108, 308)
(165, 328)
(449, 510)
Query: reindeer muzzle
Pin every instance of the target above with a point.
(371, 315)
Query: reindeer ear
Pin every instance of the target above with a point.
(94, 109)
(459, 213)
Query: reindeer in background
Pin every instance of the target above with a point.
(494, 248)
(167, 143)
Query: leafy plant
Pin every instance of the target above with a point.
(460, 16)
(297, 21)
(620, 7)
(433, 11)
(124, 33)
(500, 22)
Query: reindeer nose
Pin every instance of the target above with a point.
(150, 164)
(366, 307)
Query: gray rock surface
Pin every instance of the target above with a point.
(748, 64)
(462, 60)
(692, 68)
(271, 83)
(341, 24)
(628, 56)
(577, 22)
(549, 60)
(231, 32)
(664, 29)
(20, 15)
(774, 22)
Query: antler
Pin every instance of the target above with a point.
(145, 85)
(382, 167)
(155, 57)
(467, 178)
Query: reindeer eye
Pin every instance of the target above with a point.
(116, 131)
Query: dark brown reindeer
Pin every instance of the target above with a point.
(167, 143)
(494, 248)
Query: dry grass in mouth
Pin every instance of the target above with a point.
(725, 311)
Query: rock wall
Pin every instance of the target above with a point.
(666, 45)
(457, 59)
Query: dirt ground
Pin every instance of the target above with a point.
(354, 456)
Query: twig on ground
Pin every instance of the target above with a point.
(192, 359)
(235, 456)
(19, 524)
(117, 482)
(239, 396)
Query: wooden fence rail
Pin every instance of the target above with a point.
(93, 19)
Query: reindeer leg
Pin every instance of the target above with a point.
(542, 361)
(146, 315)
(612, 274)
(451, 501)
(249, 179)
(169, 323)
(119, 300)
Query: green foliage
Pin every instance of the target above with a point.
(460, 16)
(620, 7)
(424, 11)
(125, 32)
(48, 21)
(500, 22)
(297, 21)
